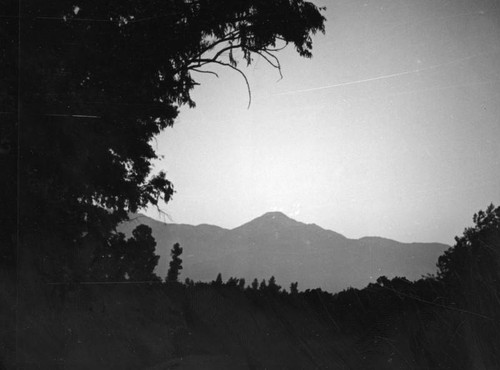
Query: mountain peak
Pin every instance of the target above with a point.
(275, 215)
(275, 218)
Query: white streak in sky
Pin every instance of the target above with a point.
(383, 77)
(430, 89)
(71, 115)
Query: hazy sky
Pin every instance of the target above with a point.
(391, 129)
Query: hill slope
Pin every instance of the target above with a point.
(274, 244)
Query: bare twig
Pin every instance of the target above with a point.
(276, 65)
(244, 77)
(201, 71)
(203, 62)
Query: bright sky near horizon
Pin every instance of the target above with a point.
(391, 129)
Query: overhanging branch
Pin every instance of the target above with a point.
(201, 71)
(242, 74)
(276, 63)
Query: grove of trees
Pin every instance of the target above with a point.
(133, 259)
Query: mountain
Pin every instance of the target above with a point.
(274, 244)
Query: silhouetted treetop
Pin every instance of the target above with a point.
(472, 265)
(470, 271)
(175, 265)
(119, 259)
(255, 284)
(218, 280)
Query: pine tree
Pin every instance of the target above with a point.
(218, 280)
(255, 284)
(263, 285)
(232, 282)
(272, 286)
(241, 284)
(175, 264)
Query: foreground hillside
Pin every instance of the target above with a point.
(275, 244)
(392, 325)
(132, 326)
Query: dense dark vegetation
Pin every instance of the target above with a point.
(175, 265)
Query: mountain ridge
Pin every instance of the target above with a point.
(274, 244)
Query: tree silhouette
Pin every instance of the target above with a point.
(140, 257)
(472, 265)
(218, 280)
(272, 287)
(383, 281)
(263, 285)
(470, 271)
(120, 259)
(232, 282)
(99, 80)
(255, 284)
(109, 260)
(9, 64)
(241, 284)
(175, 264)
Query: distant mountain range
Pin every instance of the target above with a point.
(274, 244)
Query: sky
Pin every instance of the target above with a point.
(392, 129)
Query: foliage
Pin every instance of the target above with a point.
(470, 271)
(8, 133)
(255, 284)
(98, 81)
(263, 285)
(241, 284)
(175, 265)
(272, 286)
(473, 263)
(133, 259)
(232, 282)
(218, 280)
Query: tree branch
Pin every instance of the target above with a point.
(220, 52)
(241, 73)
(227, 37)
(277, 65)
(208, 72)
(278, 49)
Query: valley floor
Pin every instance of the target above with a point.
(159, 326)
